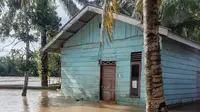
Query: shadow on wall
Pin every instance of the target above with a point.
(74, 89)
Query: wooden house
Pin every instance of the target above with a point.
(115, 71)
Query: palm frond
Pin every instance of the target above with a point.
(107, 18)
(139, 8)
(96, 3)
(82, 2)
(70, 7)
(2, 5)
(115, 5)
(182, 16)
(126, 6)
(139, 5)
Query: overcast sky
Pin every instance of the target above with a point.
(33, 46)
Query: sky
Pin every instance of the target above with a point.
(4, 51)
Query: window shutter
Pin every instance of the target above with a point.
(136, 57)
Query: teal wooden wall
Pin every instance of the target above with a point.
(180, 65)
(80, 68)
(81, 71)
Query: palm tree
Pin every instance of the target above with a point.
(46, 20)
(155, 101)
(182, 17)
(27, 14)
(15, 23)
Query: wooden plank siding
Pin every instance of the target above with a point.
(80, 67)
(80, 58)
(180, 64)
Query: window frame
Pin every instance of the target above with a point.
(138, 82)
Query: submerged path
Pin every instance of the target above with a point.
(53, 101)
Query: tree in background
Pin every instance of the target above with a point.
(71, 6)
(45, 18)
(22, 17)
(15, 23)
(182, 17)
(14, 65)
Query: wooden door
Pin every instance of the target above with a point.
(108, 82)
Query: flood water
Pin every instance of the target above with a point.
(33, 81)
(53, 101)
(50, 101)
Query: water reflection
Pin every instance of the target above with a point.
(49, 101)
(44, 99)
(25, 104)
(53, 101)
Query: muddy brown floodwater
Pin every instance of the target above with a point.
(33, 81)
(53, 101)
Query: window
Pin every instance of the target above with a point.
(135, 74)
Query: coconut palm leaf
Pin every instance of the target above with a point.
(2, 4)
(82, 2)
(126, 6)
(107, 18)
(70, 7)
(183, 17)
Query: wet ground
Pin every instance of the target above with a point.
(53, 101)
(33, 81)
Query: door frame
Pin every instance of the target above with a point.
(101, 66)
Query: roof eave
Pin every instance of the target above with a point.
(64, 29)
(162, 30)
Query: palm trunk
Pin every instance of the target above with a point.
(44, 60)
(155, 101)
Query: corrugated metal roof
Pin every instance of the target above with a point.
(86, 14)
(69, 29)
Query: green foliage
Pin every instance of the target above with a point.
(16, 23)
(39, 63)
(45, 19)
(70, 7)
(1, 5)
(126, 6)
(23, 18)
(183, 17)
(44, 15)
(54, 64)
(14, 65)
